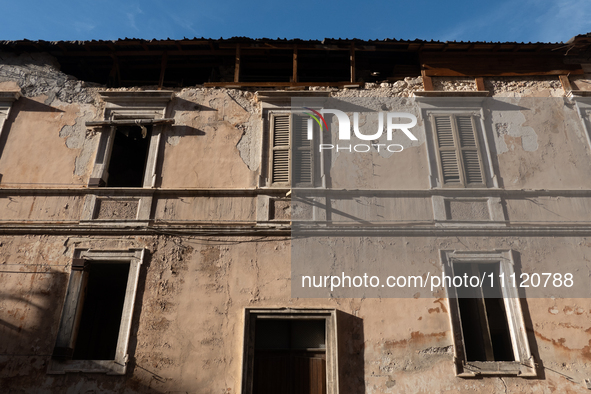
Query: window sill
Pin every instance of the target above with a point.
(475, 369)
(109, 367)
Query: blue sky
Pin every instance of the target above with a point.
(462, 20)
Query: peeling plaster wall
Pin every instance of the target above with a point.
(381, 169)
(187, 327)
(48, 118)
(45, 145)
(38, 74)
(221, 133)
(541, 145)
(188, 321)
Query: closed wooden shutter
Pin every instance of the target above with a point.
(470, 152)
(458, 151)
(292, 159)
(280, 126)
(303, 160)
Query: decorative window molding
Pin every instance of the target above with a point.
(291, 160)
(458, 149)
(130, 117)
(297, 340)
(124, 109)
(6, 100)
(461, 211)
(107, 209)
(273, 209)
(583, 103)
(489, 333)
(82, 288)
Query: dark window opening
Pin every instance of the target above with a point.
(323, 66)
(129, 155)
(485, 327)
(270, 66)
(102, 310)
(290, 356)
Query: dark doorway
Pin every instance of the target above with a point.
(290, 356)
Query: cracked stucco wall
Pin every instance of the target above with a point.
(48, 118)
(187, 326)
(221, 133)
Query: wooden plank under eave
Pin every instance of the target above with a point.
(446, 72)
(237, 64)
(565, 83)
(428, 84)
(480, 84)
(294, 77)
(279, 84)
(352, 60)
(162, 70)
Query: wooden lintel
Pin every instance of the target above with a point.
(278, 84)
(237, 64)
(479, 84)
(352, 60)
(162, 70)
(565, 83)
(446, 72)
(294, 77)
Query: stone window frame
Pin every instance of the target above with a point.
(252, 314)
(441, 213)
(281, 103)
(269, 116)
(456, 106)
(582, 100)
(71, 312)
(7, 98)
(133, 106)
(146, 106)
(524, 364)
(90, 208)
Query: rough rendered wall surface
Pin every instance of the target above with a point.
(221, 133)
(187, 329)
(188, 324)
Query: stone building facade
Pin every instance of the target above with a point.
(147, 212)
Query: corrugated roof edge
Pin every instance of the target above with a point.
(295, 40)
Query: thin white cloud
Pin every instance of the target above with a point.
(131, 15)
(182, 23)
(84, 27)
(564, 19)
(526, 20)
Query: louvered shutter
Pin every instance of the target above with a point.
(469, 150)
(448, 155)
(458, 151)
(280, 148)
(303, 160)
